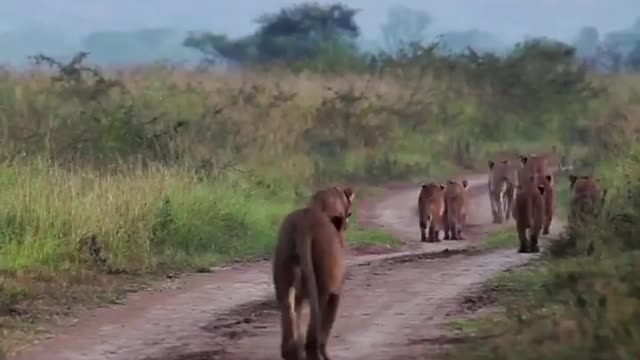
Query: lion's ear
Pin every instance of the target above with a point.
(491, 164)
(442, 186)
(524, 159)
(465, 183)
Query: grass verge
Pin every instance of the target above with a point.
(503, 238)
(569, 305)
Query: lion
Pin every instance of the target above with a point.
(455, 205)
(536, 168)
(528, 212)
(502, 184)
(586, 195)
(308, 266)
(431, 211)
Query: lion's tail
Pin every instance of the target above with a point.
(308, 273)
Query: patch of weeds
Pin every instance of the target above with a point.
(360, 236)
(501, 239)
(520, 284)
(486, 325)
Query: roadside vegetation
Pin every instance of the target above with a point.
(112, 178)
(576, 302)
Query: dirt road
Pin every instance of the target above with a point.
(392, 306)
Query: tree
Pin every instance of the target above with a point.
(403, 27)
(218, 49)
(295, 33)
(312, 21)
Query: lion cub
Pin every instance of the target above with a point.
(455, 209)
(529, 214)
(430, 211)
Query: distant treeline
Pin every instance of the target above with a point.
(301, 32)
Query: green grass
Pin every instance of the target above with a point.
(145, 223)
(508, 291)
(504, 238)
(357, 235)
(570, 309)
(361, 236)
(142, 221)
(470, 328)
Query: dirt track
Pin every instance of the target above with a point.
(392, 306)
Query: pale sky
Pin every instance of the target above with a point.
(510, 20)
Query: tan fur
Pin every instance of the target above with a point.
(528, 212)
(308, 265)
(431, 211)
(334, 201)
(536, 167)
(586, 196)
(502, 184)
(455, 208)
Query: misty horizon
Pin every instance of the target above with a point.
(68, 22)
